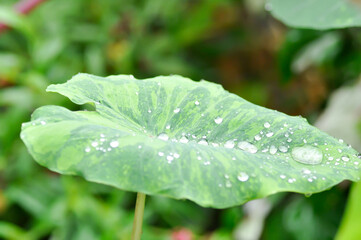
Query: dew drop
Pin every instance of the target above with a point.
(345, 158)
(243, 177)
(87, 149)
(163, 137)
(218, 120)
(176, 155)
(114, 144)
(183, 139)
(273, 150)
(167, 127)
(149, 111)
(267, 125)
(161, 154)
(307, 155)
(203, 142)
(94, 144)
(248, 147)
(42, 122)
(177, 110)
(229, 144)
(170, 158)
(228, 184)
(196, 103)
(283, 149)
(257, 137)
(269, 134)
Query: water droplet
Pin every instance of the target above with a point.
(282, 176)
(177, 110)
(163, 137)
(283, 149)
(330, 158)
(42, 122)
(161, 154)
(306, 171)
(345, 158)
(87, 149)
(340, 140)
(273, 150)
(167, 127)
(229, 144)
(94, 144)
(170, 158)
(183, 139)
(196, 103)
(176, 155)
(242, 176)
(203, 142)
(339, 150)
(267, 125)
(218, 120)
(228, 184)
(248, 147)
(307, 155)
(114, 144)
(149, 111)
(269, 134)
(289, 140)
(257, 137)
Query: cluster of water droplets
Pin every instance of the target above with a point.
(102, 144)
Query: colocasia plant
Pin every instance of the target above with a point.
(174, 137)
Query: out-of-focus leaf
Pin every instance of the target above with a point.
(350, 226)
(317, 52)
(342, 115)
(12, 232)
(317, 14)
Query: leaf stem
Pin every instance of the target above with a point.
(138, 216)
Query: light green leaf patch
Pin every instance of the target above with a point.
(317, 14)
(174, 137)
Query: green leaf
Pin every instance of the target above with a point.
(317, 14)
(178, 138)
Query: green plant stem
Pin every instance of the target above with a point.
(138, 216)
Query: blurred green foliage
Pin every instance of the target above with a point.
(235, 43)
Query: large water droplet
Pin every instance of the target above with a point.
(218, 120)
(176, 110)
(229, 144)
(267, 125)
(345, 158)
(242, 176)
(163, 137)
(248, 147)
(196, 103)
(87, 149)
(94, 144)
(307, 155)
(161, 154)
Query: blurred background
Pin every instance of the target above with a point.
(234, 43)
